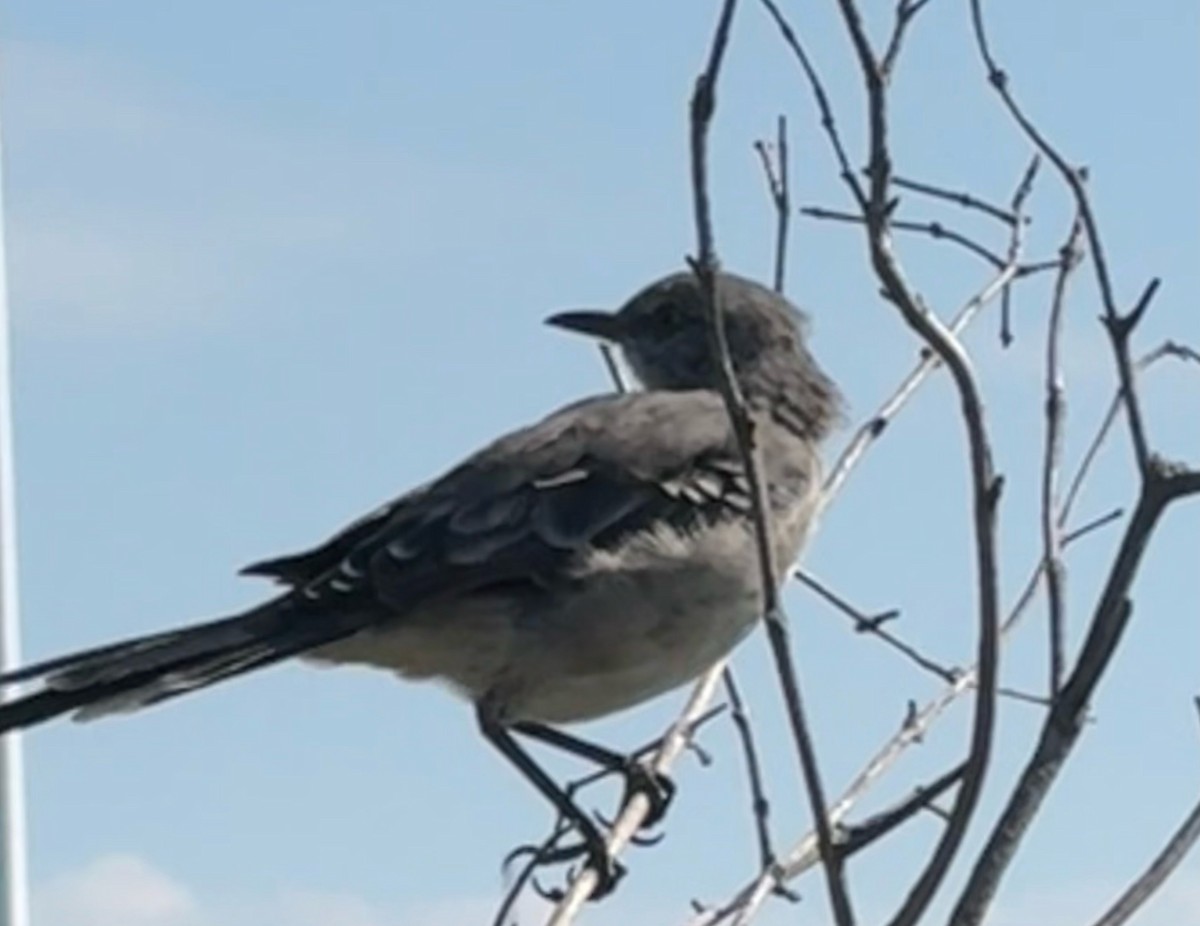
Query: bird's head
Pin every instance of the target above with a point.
(663, 334)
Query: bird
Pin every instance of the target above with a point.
(571, 569)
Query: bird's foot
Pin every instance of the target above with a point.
(657, 788)
(593, 850)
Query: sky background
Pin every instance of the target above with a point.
(270, 267)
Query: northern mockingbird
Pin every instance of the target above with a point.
(574, 568)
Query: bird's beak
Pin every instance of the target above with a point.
(595, 324)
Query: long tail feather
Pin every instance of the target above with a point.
(136, 673)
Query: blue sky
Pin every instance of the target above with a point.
(268, 272)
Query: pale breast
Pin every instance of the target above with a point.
(640, 623)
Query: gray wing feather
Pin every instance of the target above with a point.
(522, 507)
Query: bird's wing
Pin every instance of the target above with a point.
(521, 509)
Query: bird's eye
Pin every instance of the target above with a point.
(668, 317)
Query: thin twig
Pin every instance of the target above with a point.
(1088, 526)
(614, 370)
(1024, 188)
(935, 230)
(775, 169)
(966, 200)
(1052, 458)
(822, 100)
(758, 795)
(1166, 349)
(873, 624)
(1119, 326)
(905, 11)
(1162, 484)
(858, 836)
(704, 265)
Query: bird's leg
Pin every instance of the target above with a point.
(657, 788)
(608, 869)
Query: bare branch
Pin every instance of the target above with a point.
(905, 11)
(1119, 326)
(1166, 349)
(758, 795)
(703, 107)
(873, 624)
(985, 486)
(775, 169)
(614, 371)
(966, 200)
(857, 837)
(1052, 456)
(1089, 526)
(1024, 188)
(822, 99)
(935, 230)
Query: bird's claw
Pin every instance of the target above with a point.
(607, 869)
(657, 788)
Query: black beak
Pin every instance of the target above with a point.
(595, 324)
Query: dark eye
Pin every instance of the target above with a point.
(668, 317)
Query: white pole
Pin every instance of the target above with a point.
(14, 883)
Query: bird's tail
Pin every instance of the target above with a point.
(141, 671)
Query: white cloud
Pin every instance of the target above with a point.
(115, 890)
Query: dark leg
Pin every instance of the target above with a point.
(593, 841)
(605, 758)
(658, 789)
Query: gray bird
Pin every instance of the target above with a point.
(571, 569)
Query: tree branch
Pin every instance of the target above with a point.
(857, 837)
(966, 200)
(775, 169)
(985, 486)
(1119, 326)
(822, 100)
(704, 265)
(906, 10)
(935, 230)
(873, 624)
(1166, 349)
(1051, 459)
